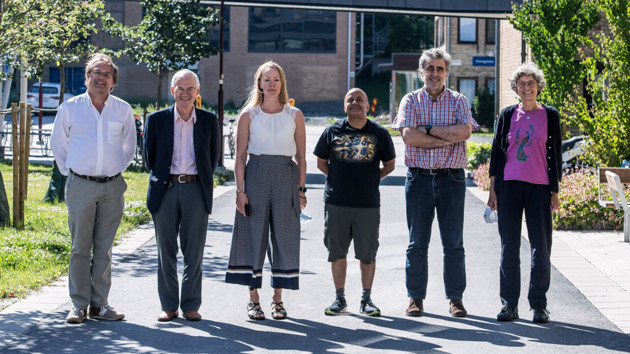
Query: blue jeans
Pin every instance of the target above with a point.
(426, 194)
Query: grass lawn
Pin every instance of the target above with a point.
(38, 254)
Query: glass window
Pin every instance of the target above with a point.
(467, 30)
(467, 87)
(491, 85)
(286, 30)
(490, 31)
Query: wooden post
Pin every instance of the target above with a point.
(27, 151)
(16, 166)
(21, 163)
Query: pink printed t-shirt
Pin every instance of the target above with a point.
(526, 153)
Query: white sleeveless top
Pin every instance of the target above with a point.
(272, 134)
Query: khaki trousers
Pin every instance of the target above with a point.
(94, 213)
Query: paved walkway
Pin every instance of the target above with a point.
(589, 299)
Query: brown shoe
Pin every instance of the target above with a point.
(456, 308)
(191, 315)
(415, 308)
(168, 315)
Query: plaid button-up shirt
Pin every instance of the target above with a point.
(417, 109)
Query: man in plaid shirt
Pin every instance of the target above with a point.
(435, 123)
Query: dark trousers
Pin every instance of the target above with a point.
(182, 212)
(535, 199)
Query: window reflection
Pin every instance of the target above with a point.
(286, 30)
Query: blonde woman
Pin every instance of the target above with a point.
(270, 191)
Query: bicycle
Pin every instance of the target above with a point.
(138, 157)
(230, 137)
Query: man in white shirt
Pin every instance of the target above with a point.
(93, 142)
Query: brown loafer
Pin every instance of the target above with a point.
(456, 308)
(192, 315)
(167, 315)
(415, 308)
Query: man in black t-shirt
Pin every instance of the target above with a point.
(349, 153)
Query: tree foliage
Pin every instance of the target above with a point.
(172, 35)
(13, 19)
(555, 30)
(59, 32)
(409, 33)
(607, 121)
(483, 107)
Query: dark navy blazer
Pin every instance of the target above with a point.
(158, 143)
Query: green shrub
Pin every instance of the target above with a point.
(483, 108)
(579, 207)
(478, 153)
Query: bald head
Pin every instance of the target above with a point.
(356, 104)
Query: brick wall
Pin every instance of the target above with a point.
(465, 52)
(311, 77)
(510, 54)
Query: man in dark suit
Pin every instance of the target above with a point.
(182, 146)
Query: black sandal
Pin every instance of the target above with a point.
(277, 311)
(254, 311)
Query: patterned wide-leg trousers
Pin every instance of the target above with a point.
(273, 226)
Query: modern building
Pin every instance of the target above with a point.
(315, 48)
(471, 44)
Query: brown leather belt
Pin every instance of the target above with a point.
(435, 171)
(183, 178)
(95, 179)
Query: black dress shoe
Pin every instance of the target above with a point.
(508, 313)
(541, 315)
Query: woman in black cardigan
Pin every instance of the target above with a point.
(525, 171)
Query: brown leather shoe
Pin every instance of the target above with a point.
(168, 315)
(415, 308)
(191, 315)
(456, 308)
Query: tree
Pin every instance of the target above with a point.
(483, 107)
(555, 30)
(173, 35)
(59, 32)
(607, 121)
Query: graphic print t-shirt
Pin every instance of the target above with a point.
(354, 156)
(526, 155)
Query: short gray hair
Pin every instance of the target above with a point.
(528, 69)
(435, 53)
(183, 73)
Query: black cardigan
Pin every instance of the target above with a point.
(554, 147)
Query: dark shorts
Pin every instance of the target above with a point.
(343, 224)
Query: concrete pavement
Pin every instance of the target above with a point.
(589, 298)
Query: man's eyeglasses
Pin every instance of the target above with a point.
(97, 72)
(189, 90)
(528, 84)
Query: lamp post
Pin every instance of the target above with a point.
(221, 85)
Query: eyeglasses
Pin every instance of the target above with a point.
(431, 69)
(97, 72)
(188, 90)
(528, 84)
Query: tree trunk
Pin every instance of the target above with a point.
(159, 90)
(62, 75)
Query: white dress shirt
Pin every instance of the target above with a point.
(183, 162)
(92, 143)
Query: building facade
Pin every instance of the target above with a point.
(312, 46)
(471, 44)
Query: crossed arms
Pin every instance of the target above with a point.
(440, 136)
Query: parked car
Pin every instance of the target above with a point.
(50, 97)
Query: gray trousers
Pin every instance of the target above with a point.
(183, 212)
(94, 213)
